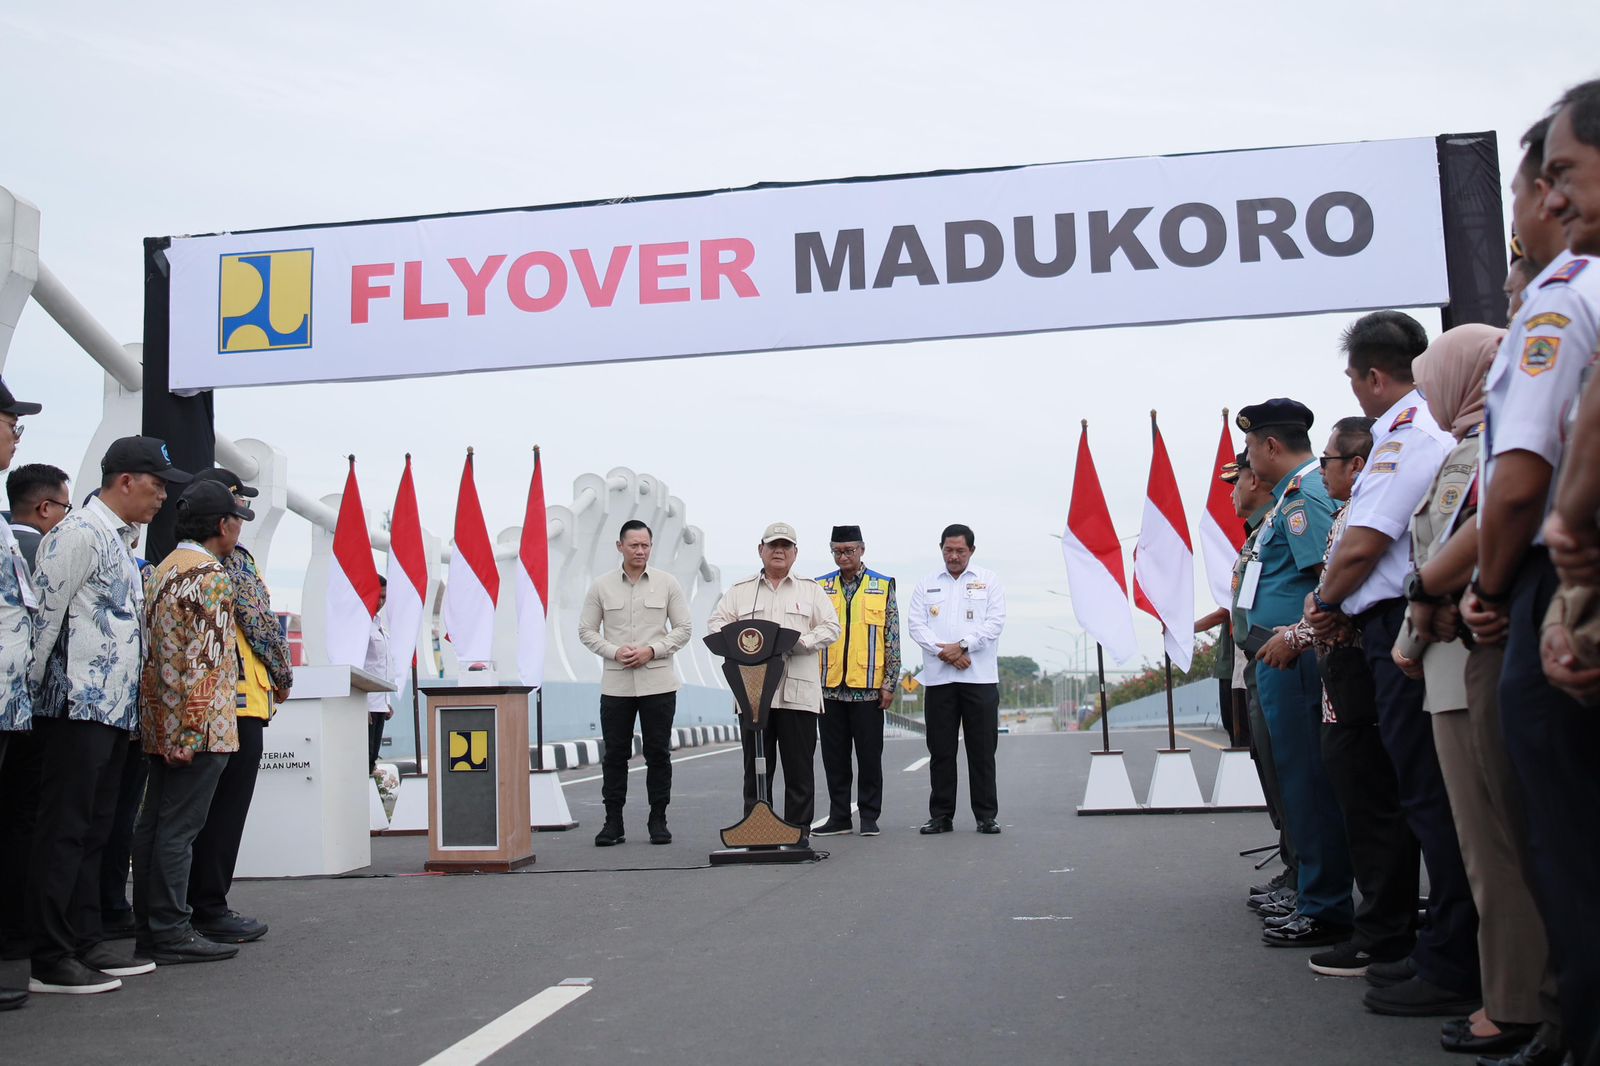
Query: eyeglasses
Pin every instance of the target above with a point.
(1324, 460)
(16, 429)
(779, 546)
(66, 506)
(847, 551)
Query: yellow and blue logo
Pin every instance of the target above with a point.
(469, 750)
(264, 301)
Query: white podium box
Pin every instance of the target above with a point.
(310, 813)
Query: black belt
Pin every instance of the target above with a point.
(1376, 609)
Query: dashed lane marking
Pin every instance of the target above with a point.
(919, 764)
(638, 769)
(474, 1048)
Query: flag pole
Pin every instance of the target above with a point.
(1172, 735)
(1105, 712)
(416, 713)
(538, 693)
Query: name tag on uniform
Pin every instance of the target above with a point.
(1247, 587)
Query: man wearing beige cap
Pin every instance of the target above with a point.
(796, 603)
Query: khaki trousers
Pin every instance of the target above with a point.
(1484, 802)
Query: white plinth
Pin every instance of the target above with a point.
(1174, 785)
(1238, 786)
(1109, 788)
(310, 813)
(547, 804)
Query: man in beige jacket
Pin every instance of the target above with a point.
(636, 619)
(796, 603)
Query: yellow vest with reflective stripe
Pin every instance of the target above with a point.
(857, 659)
(255, 684)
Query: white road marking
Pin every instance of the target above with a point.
(820, 822)
(1042, 918)
(641, 768)
(919, 764)
(474, 1048)
(1063, 870)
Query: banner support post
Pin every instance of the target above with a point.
(1105, 712)
(538, 720)
(1172, 735)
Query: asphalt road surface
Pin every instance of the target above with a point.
(1064, 940)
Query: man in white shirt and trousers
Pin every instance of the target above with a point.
(957, 614)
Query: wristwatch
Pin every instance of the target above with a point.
(1322, 604)
(963, 644)
(1478, 590)
(1416, 593)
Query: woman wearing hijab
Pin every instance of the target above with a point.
(1461, 697)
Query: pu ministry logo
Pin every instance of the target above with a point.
(264, 301)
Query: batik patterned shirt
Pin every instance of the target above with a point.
(252, 612)
(16, 637)
(192, 670)
(88, 644)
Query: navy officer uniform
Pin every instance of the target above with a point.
(1288, 558)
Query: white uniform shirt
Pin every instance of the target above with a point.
(1408, 448)
(378, 663)
(1533, 383)
(948, 610)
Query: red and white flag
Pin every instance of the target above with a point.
(1163, 562)
(533, 582)
(474, 583)
(1095, 575)
(1221, 528)
(352, 580)
(408, 578)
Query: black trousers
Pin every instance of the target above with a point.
(79, 781)
(176, 806)
(216, 849)
(951, 710)
(118, 855)
(846, 726)
(792, 736)
(374, 740)
(1551, 740)
(1447, 946)
(1267, 771)
(19, 811)
(654, 715)
(1383, 853)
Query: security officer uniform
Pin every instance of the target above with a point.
(1550, 737)
(1408, 448)
(1288, 556)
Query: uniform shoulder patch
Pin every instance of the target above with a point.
(1539, 354)
(1298, 522)
(1547, 318)
(1568, 271)
(1404, 418)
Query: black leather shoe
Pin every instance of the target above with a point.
(834, 827)
(1511, 1037)
(191, 948)
(657, 826)
(1534, 1053)
(230, 927)
(1417, 998)
(1384, 974)
(936, 825)
(610, 833)
(1303, 932)
(989, 825)
(869, 827)
(12, 998)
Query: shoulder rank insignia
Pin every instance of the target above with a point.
(1404, 418)
(1548, 318)
(1539, 354)
(1567, 272)
(1294, 485)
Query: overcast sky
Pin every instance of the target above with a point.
(131, 121)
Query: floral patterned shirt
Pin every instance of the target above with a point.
(88, 644)
(191, 673)
(252, 612)
(16, 637)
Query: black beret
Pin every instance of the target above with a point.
(1276, 412)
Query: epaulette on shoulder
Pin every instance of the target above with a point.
(1294, 484)
(1565, 274)
(1404, 418)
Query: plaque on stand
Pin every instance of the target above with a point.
(753, 655)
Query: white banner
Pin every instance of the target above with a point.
(1280, 231)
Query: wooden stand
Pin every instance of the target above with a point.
(478, 779)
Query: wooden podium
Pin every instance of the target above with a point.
(478, 778)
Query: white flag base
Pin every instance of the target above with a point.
(1173, 786)
(1238, 786)
(1109, 790)
(377, 817)
(547, 804)
(410, 807)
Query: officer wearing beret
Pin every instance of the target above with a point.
(1288, 559)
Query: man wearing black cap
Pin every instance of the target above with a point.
(88, 651)
(859, 675)
(188, 723)
(265, 674)
(1287, 560)
(17, 602)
